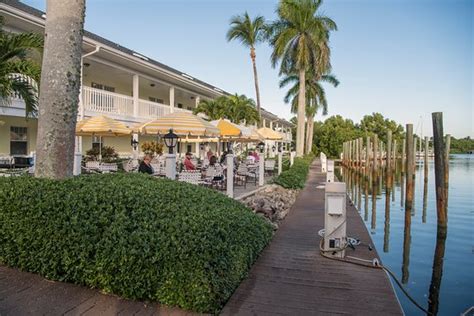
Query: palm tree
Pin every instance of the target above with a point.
(300, 42)
(19, 72)
(249, 32)
(213, 109)
(315, 98)
(60, 80)
(241, 109)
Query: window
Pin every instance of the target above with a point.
(180, 105)
(102, 87)
(153, 99)
(18, 140)
(189, 148)
(96, 142)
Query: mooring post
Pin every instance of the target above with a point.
(404, 155)
(446, 167)
(440, 165)
(388, 151)
(409, 168)
(394, 155)
(375, 148)
(367, 155)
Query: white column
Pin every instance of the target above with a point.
(198, 99)
(264, 121)
(171, 166)
(135, 94)
(271, 124)
(280, 160)
(197, 150)
(261, 169)
(230, 175)
(77, 157)
(171, 99)
(292, 157)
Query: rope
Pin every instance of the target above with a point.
(375, 264)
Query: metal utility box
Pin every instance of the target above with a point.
(330, 171)
(323, 159)
(335, 238)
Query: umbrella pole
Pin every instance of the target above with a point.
(100, 148)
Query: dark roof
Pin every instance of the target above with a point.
(38, 13)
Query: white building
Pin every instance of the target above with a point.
(116, 81)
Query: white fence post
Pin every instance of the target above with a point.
(280, 158)
(230, 175)
(171, 166)
(261, 170)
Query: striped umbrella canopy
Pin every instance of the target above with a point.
(101, 126)
(182, 123)
(249, 134)
(269, 134)
(227, 129)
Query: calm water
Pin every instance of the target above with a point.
(414, 253)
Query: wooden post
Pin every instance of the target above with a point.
(388, 152)
(409, 168)
(367, 155)
(404, 155)
(350, 154)
(376, 143)
(440, 166)
(394, 155)
(386, 229)
(446, 167)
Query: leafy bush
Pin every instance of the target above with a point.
(108, 154)
(152, 148)
(132, 235)
(295, 176)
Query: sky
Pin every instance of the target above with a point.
(402, 58)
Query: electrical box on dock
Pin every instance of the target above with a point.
(323, 159)
(330, 171)
(335, 238)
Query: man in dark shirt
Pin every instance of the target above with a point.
(145, 166)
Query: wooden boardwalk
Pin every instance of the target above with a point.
(292, 278)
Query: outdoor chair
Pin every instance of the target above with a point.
(215, 177)
(91, 167)
(108, 167)
(240, 177)
(269, 167)
(190, 176)
(130, 166)
(252, 171)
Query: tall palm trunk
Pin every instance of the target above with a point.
(60, 84)
(309, 133)
(257, 90)
(301, 114)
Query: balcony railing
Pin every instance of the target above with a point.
(106, 102)
(152, 109)
(101, 101)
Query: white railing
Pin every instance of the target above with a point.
(106, 102)
(152, 109)
(176, 109)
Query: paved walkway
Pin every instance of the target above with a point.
(292, 278)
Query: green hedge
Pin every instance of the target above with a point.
(295, 176)
(132, 235)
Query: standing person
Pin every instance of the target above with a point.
(209, 154)
(255, 155)
(188, 164)
(145, 165)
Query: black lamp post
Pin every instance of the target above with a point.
(229, 147)
(171, 139)
(261, 146)
(273, 148)
(279, 147)
(134, 143)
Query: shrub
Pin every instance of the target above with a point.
(108, 154)
(132, 235)
(152, 148)
(295, 176)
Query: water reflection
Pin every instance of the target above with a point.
(437, 273)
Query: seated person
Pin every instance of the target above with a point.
(255, 155)
(145, 165)
(188, 164)
(250, 157)
(217, 167)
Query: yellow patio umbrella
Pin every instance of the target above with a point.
(227, 129)
(101, 126)
(182, 123)
(269, 134)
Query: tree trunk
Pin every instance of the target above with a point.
(309, 136)
(301, 115)
(308, 130)
(60, 84)
(257, 90)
